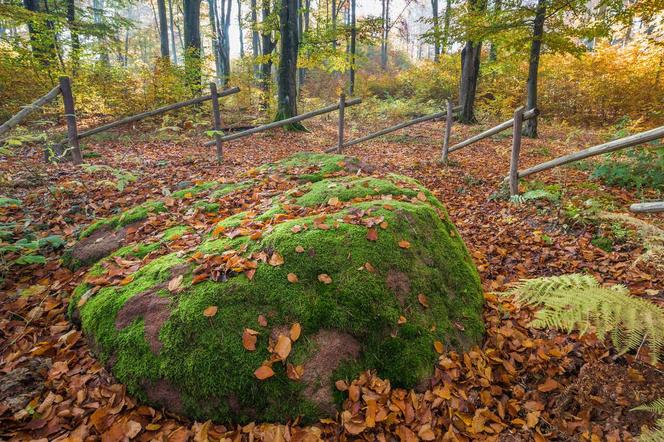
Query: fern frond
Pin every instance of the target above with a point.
(656, 407)
(655, 434)
(578, 303)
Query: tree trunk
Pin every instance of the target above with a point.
(334, 25)
(287, 81)
(530, 126)
(255, 38)
(436, 30)
(73, 31)
(305, 30)
(239, 25)
(192, 43)
(214, 28)
(385, 34)
(493, 51)
(470, 69)
(353, 43)
(172, 26)
(446, 27)
(267, 47)
(163, 29)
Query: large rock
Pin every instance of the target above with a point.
(369, 267)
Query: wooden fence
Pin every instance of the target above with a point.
(341, 105)
(73, 136)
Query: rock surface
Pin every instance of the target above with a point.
(308, 273)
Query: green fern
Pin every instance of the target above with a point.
(579, 302)
(532, 195)
(655, 434)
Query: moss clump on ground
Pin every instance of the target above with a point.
(399, 278)
(125, 218)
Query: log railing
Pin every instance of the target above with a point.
(390, 129)
(343, 103)
(27, 110)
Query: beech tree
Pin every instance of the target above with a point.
(287, 74)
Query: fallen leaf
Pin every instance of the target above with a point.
(283, 347)
(423, 300)
(548, 385)
(249, 340)
(372, 234)
(438, 346)
(174, 284)
(299, 249)
(263, 372)
(292, 277)
(402, 320)
(210, 311)
(295, 331)
(421, 196)
(276, 259)
(404, 244)
(324, 278)
(262, 321)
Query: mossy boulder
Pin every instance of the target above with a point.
(368, 267)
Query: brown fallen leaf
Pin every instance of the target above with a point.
(369, 267)
(404, 244)
(294, 372)
(299, 249)
(292, 277)
(334, 201)
(438, 346)
(264, 372)
(324, 278)
(283, 347)
(262, 321)
(210, 311)
(296, 228)
(249, 339)
(402, 320)
(276, 259)
(295, 331)
(372, 234)
(423, 300)
(421, 196)
(548, 385)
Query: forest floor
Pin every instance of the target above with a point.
(521, 384)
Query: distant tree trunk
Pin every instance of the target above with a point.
(192, 43)
(267, 47)
(163, 29)
(493, 51)
(287, 81)
(255, 38)
(446, 27)
(214, 28)
(470, 72)
(530, 126)
(436, 30)
(239, 25)
(73, 31)
(305, 30)
(353, 49)
(334, 25)
(172, 26)
(97, 14)
(385, 34)
(225, 41)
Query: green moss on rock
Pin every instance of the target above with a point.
(168, 353)
(125, 218)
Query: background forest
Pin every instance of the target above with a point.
(596, 62)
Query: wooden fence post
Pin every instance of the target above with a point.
(342, 108)
(448, 131)
(217, 121)
(516, 148)
(70, 114)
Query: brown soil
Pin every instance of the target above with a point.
(154, 310)
(399, 283)
(162, 393)
(100, 244)
(332, 347)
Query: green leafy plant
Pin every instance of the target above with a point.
(26, 250)
(655, 434)
(122, 177)
(633, 168)
(579, 302)
(532, 195)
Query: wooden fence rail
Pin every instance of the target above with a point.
(27, 110)
(651, 207)
(532, 113)
(392, 129)
(291, 120)
(158, 111)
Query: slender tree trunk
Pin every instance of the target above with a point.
(192, 43)
(493, 51)
(214, 28)
(436, 30)
(73, 31)
(446, 27)
(353, 49)
(267, 47)
(163, 29)
(530, 126)
(240, 27)
(385, 36)
(305, 30)
(470, 69)
(287, 81)
(255, 38)
(334, 25)
(172, 26)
